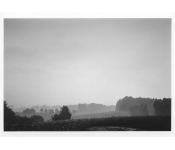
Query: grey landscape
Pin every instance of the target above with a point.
(77, 74)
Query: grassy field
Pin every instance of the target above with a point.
(47, 116)
(144, 123)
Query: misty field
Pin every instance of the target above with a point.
(135, 123)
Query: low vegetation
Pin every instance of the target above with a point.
(146, 123)
(62, 121)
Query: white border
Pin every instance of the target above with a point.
(88, 15)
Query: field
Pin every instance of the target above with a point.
(144, 123)
(101, 115)
(47, 116)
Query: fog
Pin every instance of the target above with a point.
(72, 61)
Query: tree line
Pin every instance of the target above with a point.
(144, 106)
(94, 108)
(11, 117)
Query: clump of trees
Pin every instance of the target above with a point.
(125, 103)
(36, 118)
(138, 110)
(63, 115)
(9, 115)
(41, 110)
(29, 111)
(162, 107)
(144, 106)
(94, 108)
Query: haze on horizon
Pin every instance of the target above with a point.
(71, 61)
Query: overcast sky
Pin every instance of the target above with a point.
(71, 61)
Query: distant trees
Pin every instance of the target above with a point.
(36, 118)
(143, 105)
(138, 110)
(45, 110)
(162, 107)
(51, 111)
(74, 111)
(9, 115)
(29, 111)
(94, 108)
(128, 101)
(82, 108)
(63, 115)
(41, 110)
(57, 111)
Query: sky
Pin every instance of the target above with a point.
(71, 61)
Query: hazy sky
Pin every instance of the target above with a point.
(70, 61)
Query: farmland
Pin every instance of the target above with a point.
(47, 116)
(139, 123)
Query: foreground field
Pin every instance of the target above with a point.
(146, 123)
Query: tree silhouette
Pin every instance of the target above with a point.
(29, 111)
(162, 107)
(36, 118)
(63, 115)
(45, 110)
(9, 115)
(41, 110)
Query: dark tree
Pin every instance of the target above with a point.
(45, 110)
(9, 115)
(162, 107)
(36, 118)
(41, 110)
(29, 111)
(63, 115)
